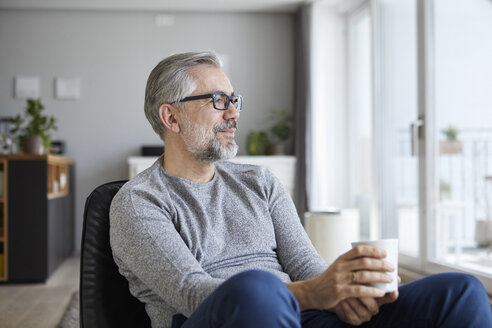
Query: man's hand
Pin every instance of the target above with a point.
(344, 280)
(357, 311)
(345, 277)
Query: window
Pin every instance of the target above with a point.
(434, 72)
(417, 144)
(462, 64)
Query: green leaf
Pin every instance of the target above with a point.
(282, 126)
(33, 122)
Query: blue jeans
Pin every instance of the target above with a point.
(259, 299)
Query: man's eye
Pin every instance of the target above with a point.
(219, 100)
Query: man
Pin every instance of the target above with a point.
(207, 243)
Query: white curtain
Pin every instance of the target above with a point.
(329, 170)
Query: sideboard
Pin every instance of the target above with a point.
(36, 216)
(283, 167)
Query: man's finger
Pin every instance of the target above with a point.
(367, 263)
(371, 305)
(351, 316)
(388, 298)
(360, 291)
(360, 309)
(364, 251)
(364, 277)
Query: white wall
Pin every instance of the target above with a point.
(113, 53)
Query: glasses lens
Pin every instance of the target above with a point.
(237, 101)
(220, 101)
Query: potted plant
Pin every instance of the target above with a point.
(444, 190)
(34, 136)
(257, 143)
(280, 130)
(451, 145)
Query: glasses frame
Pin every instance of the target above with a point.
(229, 100)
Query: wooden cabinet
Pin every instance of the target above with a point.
(37, 220)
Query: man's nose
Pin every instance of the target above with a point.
(231, 112)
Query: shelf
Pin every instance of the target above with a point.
(58, 183)
(30, 157)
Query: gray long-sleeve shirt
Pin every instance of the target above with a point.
(176, 240)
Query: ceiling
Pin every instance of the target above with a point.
(161, 5)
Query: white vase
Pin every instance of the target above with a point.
(332, 232)
(483, 233)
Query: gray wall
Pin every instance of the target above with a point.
(113, 53)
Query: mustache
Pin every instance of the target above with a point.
(226, 125)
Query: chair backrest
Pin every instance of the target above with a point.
(105, 299)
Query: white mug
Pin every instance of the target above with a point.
(391, 248)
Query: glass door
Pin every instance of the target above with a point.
(396, 109)
(383, 103)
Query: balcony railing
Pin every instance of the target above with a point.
(463, 191)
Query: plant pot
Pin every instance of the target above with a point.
(277, 149)
(450, 147)
(483, 233)
(33, 145)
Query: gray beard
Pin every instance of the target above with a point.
(204, 145)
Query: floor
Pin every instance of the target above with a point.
(39, 305)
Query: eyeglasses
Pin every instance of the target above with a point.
(221, 100)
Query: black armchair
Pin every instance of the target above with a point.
(105, 300)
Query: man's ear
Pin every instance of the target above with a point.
(167, 114)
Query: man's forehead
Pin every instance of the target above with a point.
(210, 78)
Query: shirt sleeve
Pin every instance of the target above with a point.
(296, 253)
(149, 250)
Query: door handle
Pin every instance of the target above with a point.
(414, 134)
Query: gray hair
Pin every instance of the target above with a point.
(170, 81)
